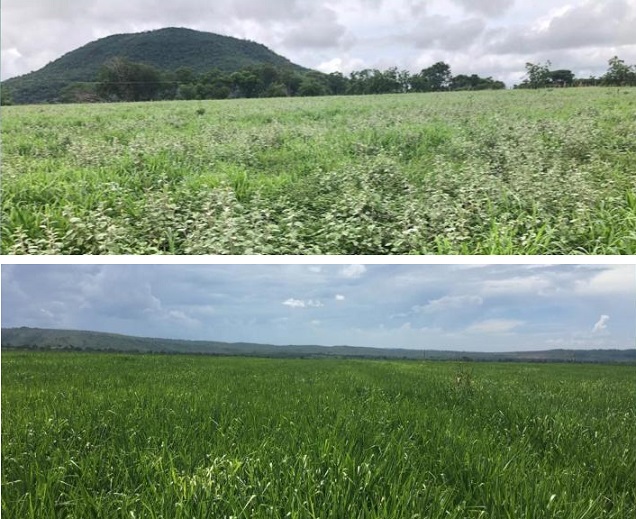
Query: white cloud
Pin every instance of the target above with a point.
(618, 279)
(446, 303)
(344, 64)
(494, 326)
(587, 25)
(47, 313)
(340, 297)
(517, 285)
(486, 7)
(601, 324)
(294, 303)
(353, 271)
(300, 303)
(322, 30)
(470, 35)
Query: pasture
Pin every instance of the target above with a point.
(143, 436)
(509, 172)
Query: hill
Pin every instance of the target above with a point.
(37, 338)
(166, 49)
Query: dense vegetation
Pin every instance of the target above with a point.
(512, 172)
(540, 76)
(165, 49)
(78, 340)
(139, 436)
(122, 80)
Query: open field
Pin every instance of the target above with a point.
(107, 435)
(514, 172)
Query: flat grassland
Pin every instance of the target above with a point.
(125, 436)
(510, 172)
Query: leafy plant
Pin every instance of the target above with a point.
(464, 173)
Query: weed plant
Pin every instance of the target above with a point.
(142, 436)
(511, 172)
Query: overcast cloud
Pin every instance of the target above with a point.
(486, 308)
(488, 37)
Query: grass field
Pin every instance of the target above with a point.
(513, 172)
(121, 436)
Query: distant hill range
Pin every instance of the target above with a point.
(166, 49)
(75, 340)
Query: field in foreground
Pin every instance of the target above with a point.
(98, 435)
(515, 172)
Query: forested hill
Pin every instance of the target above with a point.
(75, 340)
(166, 49)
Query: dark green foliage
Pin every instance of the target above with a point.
(620, 74)
(311, 87)
(5, 96)
(474, 82)
(562, 78)
(122, 80)
(435, 78)
(540, 76)
(246, 83)
(165, 49)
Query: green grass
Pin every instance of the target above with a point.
(512, 172)
(123, 436)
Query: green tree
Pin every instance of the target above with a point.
(404, 79)
(246, 83)
(276, 90)
(291, 80)
(561, 77)
(363, 82)
(5, 97)
(537, 76)
(619, 74)
(123, 80)
(214, 84)
(436, 78)
(79, 93)
(187, 92)
(185, 76)
(310, 86)
(475, 82)
(337, 83)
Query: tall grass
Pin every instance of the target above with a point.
(520, 172)
(97, 435)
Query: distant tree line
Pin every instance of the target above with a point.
(124, 80)
(540, 76)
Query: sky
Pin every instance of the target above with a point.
(487, 37)
(454, 307)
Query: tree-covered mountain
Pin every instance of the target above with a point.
(76, 340)
(167, 49)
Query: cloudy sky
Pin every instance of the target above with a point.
(488, 37)
(484, 308)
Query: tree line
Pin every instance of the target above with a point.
(124, 80)
(540, 76)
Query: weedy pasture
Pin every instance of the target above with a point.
(509, 172)
(142, 436)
